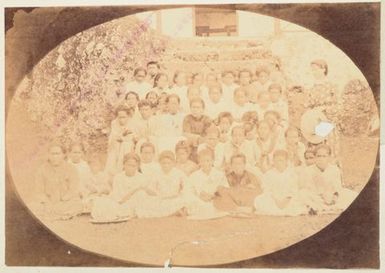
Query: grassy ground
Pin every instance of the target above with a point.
(150, 241)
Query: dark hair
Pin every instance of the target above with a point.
(176, 74)
(227, 115)
(183, 144)
(147, 144)
(132, 156)
(224, 73)
(137, 70)
(275, 113)
(216, 86)
(143, 103)
(157, 77)
(153, 62)
(205, 152)
(123, 108)
(172, 96)
(323, 146)
(132, 93)
(293, 128)
(275, 86)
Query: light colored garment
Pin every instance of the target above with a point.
(323, 190)
(150, 169)
(282, 108)
(120, 142)
(57, 192)
(181, 91)
(248, 148)
(228, 92)
(238, 111)
(141, 88)
(212, 110)
(86, 180)
(296, 154)
(188, 167)
(208, 183)
(280, 194)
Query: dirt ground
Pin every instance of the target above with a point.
(187, 242)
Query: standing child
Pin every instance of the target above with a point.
(228, 85)
(120, 140)
(215, 103)
(161, 84)
(245, 82)
(240, 104)
(263, 81)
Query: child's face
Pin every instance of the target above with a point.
(162, 82)
(193, 93)
(130, 167)
(263, 77)
(140, 76)
(244, 78)
(182, 155)
(240, 98)
(152, 97)
(212, 139)
(215, 94)
(152, 69)
(228, 79)
(238, 165)
(173, 106)
(275, 94)
(206, 162)
(251, 134)
(147, 154)
(280, 163)
(224, 125)
(146, 112)
(166, 164)
(263, 130)
(264, 100)
(55, 155)
(76, 154)
(122, 118)
(196, 109)
(271, 119)
(322, 158)
(131, 101)
(309, 158)
(238, 136)
(292, 137)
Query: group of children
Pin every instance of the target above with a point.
(201, 147)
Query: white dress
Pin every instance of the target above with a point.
(277, 187)
(140, 88)
(86, 181)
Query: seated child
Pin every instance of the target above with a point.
(228, 85)
(325, 192)
(278, 104)
(245, 76)
(263, 104)
(148, 165)
(118, 204)
(280, 190)
(250, 121)
(205, 183)
(120, 140)
(267, 145)
(263, 81)
(161, 84)
(183, 162)
(240, 104)
(239, 144)
(295, 148)
(276, 128)
(152, 97)
(162, 104)
(57, 187)
(244, 186)
(168, 128)
(224, 123)
(86, 182)
(211, 142)
(215, 103)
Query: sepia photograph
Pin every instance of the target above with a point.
(186, 135)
